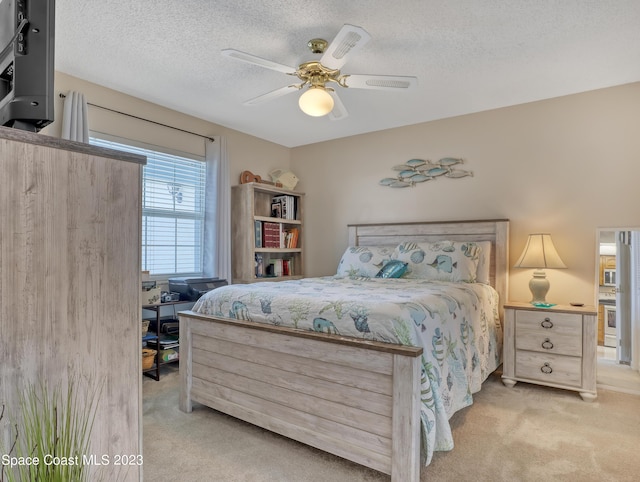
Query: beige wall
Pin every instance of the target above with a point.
(566, 166)
(245, 152)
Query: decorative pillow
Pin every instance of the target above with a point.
(440, 261)
(392, 269)
(484, 263)
(364, 261)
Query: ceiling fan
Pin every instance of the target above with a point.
(319, 98)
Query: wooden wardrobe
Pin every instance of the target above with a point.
(70, 283)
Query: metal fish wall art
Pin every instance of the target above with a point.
(416, 171)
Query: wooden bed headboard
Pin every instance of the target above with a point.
(494, 230)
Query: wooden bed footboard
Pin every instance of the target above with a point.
(357, 399)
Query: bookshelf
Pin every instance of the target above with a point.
(266, 225)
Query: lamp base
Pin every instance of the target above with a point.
(539, 286)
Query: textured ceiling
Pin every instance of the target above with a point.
(468, 55)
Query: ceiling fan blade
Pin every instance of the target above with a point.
(380, 82)
(339, 111)
(255, 60)
(349, 39)
(274, 94)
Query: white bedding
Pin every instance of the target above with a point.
(457, 324)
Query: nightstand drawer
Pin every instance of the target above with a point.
(548, 322)
(548, 342)
(549, 368)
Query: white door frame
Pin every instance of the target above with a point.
(635, 290)
(624, 296)
(635, 300)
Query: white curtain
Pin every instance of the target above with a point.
(217, 233)
(75, 122)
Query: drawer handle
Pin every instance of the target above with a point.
(546, 344)
(546, 323)
(546, 368)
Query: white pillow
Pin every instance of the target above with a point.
(364, 261)
(484, 266)
(441, 261)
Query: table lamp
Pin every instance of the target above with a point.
(539, 253)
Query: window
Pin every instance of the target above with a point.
(173, 210)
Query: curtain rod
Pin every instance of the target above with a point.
(62, 96)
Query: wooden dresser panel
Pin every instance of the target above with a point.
(70, 283)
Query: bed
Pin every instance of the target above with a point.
(366, 368)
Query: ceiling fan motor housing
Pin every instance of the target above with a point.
(317, 74)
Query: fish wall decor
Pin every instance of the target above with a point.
(416, 171)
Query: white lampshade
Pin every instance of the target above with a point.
(316, 101)
(539, 253)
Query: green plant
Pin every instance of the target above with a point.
(52, 434)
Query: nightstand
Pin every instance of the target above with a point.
(553, 346)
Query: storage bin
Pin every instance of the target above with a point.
(150, 296)
(148, 357)
(168, 355)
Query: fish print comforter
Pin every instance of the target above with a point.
(456, 324)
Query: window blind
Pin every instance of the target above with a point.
(173, 211)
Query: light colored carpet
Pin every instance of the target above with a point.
(526, 433)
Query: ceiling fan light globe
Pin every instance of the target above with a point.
(316, 102)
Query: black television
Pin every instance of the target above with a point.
(27, 41)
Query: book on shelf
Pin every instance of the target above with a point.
(274, 268)
(277, 267)
(290, 238)
(271, 234)
(258, 233)
(284, 206)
